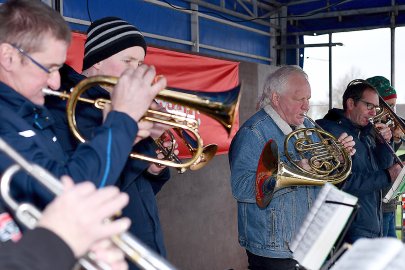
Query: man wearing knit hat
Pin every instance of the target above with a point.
(113, 45)
(388, 93)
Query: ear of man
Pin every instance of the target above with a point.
(350, 103)
(7, 56)
(275, 98)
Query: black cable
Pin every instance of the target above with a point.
(88, 11)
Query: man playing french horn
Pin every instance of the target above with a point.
(372, 168)
(266, 232)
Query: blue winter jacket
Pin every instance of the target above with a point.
(29, 128)
(368, 177)
(266, 232)
(134, 180)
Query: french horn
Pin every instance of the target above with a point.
(328, 161)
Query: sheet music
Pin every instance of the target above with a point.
(310, 216)
(322, 226)
(371, 254)
(398, 262)
(398, 186)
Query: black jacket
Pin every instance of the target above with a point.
(39, 249)
(368, 176)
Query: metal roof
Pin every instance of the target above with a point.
(263, 31)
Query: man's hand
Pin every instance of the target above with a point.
(106, 252)
(394, 171)
(303, 163)
(397, 134)
(347, 142)
(78, 215)
(144, 130)
(135, 92)
(156, 169)
(385, 131)
(158, 128)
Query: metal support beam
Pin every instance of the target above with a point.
(393, 45)
(292, 46)
(283, 36)
(195, 29)
(330, 71)
(223, 10)
(363, 11)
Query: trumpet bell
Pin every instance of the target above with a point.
(219, 105)
(272, 175)
(267, 167)
(208, 153)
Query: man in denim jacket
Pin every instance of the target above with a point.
(372, 168)
(266, 233)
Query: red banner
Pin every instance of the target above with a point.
(185, 71)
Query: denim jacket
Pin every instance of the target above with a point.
(266, 232)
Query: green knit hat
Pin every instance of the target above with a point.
(383, 86)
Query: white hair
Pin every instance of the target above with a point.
(277, 81)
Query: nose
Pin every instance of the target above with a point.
(54, 80)
(373, 112)
(305, 105)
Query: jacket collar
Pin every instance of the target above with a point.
(338, 116)
(36, 114)
(285, 128)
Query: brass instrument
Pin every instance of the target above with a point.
(221, 106)
(28, 214)
(328, 160)
(386, 115)
(207, 154)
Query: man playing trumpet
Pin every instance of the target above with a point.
(33, 43)
(113, 45)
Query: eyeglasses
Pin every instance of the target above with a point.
(32, 59)
(371, 106)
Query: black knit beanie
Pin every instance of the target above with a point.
(108, 36)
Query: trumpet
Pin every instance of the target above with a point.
(221, 106)
(207, 154)
(28, 215)
(387, 115)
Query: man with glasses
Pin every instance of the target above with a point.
(372, 168)
(33, 44)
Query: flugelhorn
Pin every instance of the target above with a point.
(328, 160)
(28, 214)
(207, 154)
(388, 116)
(220, 106)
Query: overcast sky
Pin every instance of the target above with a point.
(365, 53)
